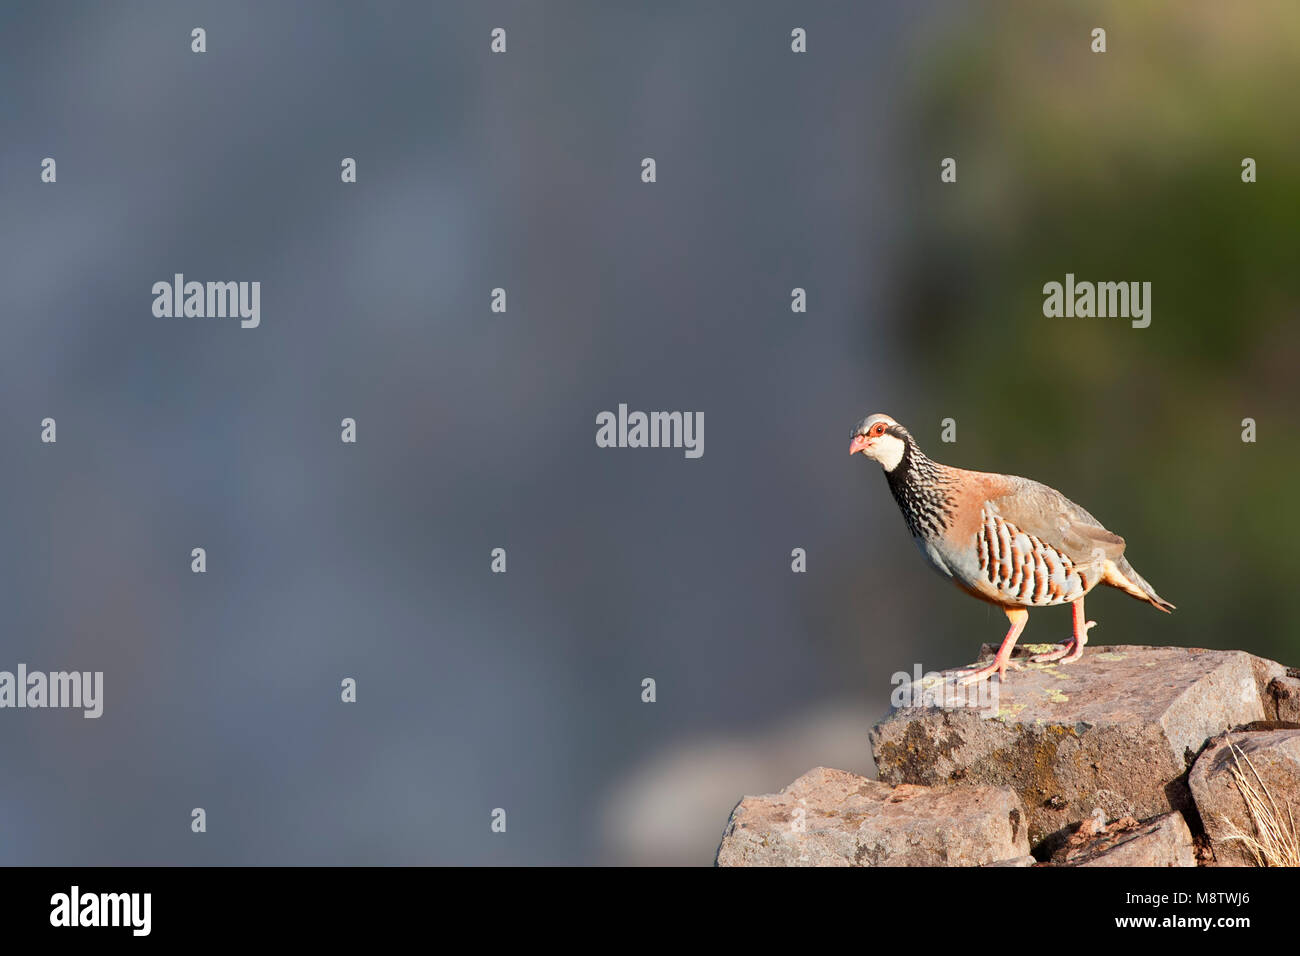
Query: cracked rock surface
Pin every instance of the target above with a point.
(834, 818)
(1115, 731)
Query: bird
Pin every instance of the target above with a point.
(1007, 540)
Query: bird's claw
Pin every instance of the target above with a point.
(972, 675)
(1062, 649)
(1067, 651)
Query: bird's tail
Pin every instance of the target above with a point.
(1121, 575)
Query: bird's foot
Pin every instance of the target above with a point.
(1062, 651)
(1068, 651)
(973, 675)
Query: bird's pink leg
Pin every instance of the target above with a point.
(1071, 650)
(1018, 616)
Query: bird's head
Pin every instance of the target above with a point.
(881, 438)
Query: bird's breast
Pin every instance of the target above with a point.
(934, 556)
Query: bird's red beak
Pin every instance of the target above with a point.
(858, 444)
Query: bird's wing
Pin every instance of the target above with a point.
(1057, 521)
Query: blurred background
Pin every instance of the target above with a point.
(476, 430)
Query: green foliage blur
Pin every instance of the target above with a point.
(1122, 166)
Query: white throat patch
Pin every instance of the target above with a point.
(889, 452)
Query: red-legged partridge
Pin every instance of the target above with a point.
(1007, 540)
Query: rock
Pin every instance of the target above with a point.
(833, 818)
(1283, 695)
(1015, 861)
(1265, 763)
(1266, 671)
(1162, 841)
(1115, 731)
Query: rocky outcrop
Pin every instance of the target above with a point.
(833, 818)
(1115, 732)
(1132, 756)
